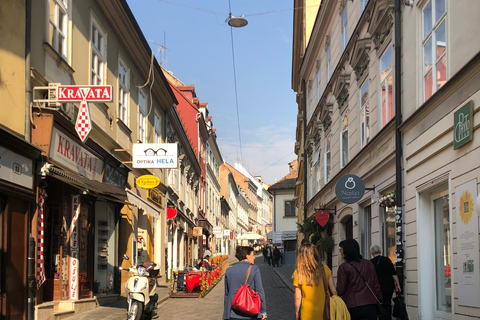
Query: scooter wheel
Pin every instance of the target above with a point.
(135, 311)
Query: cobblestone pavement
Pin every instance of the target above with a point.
(279, 296)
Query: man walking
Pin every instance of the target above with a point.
(276, 256)
(387, 277)
(269, 255)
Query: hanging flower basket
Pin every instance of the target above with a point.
(387, 200)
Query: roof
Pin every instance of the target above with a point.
(284, 184)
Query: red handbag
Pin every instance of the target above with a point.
(246, 300)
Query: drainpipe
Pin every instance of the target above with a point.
(398, 146)
(31, 283)
(304, 107)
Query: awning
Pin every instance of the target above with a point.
(96, 188)
(138, 202)
(289, 235)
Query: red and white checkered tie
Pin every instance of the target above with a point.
(40, 275)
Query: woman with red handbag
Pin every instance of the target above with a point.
(244, 294)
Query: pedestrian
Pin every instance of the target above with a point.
(351, 286)
(276, 256)
(264, 252)
(310, 294)
(269, 255)
(235, 277)
(387, 278)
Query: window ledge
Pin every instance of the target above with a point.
(57, 57)
(122, 125)
(290, 217)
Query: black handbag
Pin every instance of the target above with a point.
(399, 307)
(379, 306)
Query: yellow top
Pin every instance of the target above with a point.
(313, 297)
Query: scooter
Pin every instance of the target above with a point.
(140, 288)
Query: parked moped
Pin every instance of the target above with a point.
(140, 288)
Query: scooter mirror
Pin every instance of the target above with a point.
(126, 257)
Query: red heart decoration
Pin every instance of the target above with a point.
(322, 217)
(171, 213)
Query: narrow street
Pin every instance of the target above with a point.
(279, 296)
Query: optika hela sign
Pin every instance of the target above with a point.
(155, 155)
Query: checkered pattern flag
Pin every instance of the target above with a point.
(83, 125)
(40, 274)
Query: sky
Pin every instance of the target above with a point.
(199, 51)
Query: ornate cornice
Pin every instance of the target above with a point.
(360, 59)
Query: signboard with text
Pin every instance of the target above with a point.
(217, 230)
(69, 93)
(74, 263)
(350, 189)
(155, 155)
(463, 125)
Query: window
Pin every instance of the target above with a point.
(158, 130)
(319, 87)
(364, 114)
(58, 27)
(317, 171)
(344, 141)
(442, 253)
(366, 231)
(142, 116)
(123, 85)
(328, 157)
(386, 86)
(344, 28)
(389, 232)
(329, 63)
(290, 209)
(98, 55)
(310, 99)
(434, 47)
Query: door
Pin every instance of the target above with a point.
(13, 225)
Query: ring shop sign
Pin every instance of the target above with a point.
(350, 189)
(155, 155)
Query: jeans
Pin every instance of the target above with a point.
(275, 261)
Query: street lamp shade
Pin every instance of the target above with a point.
(237, 22)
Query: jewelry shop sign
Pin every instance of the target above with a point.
(463, 125)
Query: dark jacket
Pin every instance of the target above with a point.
(234, 278)
(352, 288)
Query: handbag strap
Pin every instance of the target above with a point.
(361, 275)
(326, 309)
(248, 273)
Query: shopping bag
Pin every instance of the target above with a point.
(399, 307)
(247, 300)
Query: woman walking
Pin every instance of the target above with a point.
(357, 282)
(235, 277)
(310, 289)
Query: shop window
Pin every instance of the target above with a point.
(434, 45)
(443, 253)
(366, 231)
(389, 232)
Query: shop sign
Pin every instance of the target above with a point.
(171, 213)
(217, 230)
(197, 231)
(463, 125)
(73, 156)
(114, 176)
(349, 189)
(231, 235)
(84, 93)
(226, 233)
(155, 155)
(155, 196)
(147, 181)
(16, 168)
(322, 217)
(74, 263)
